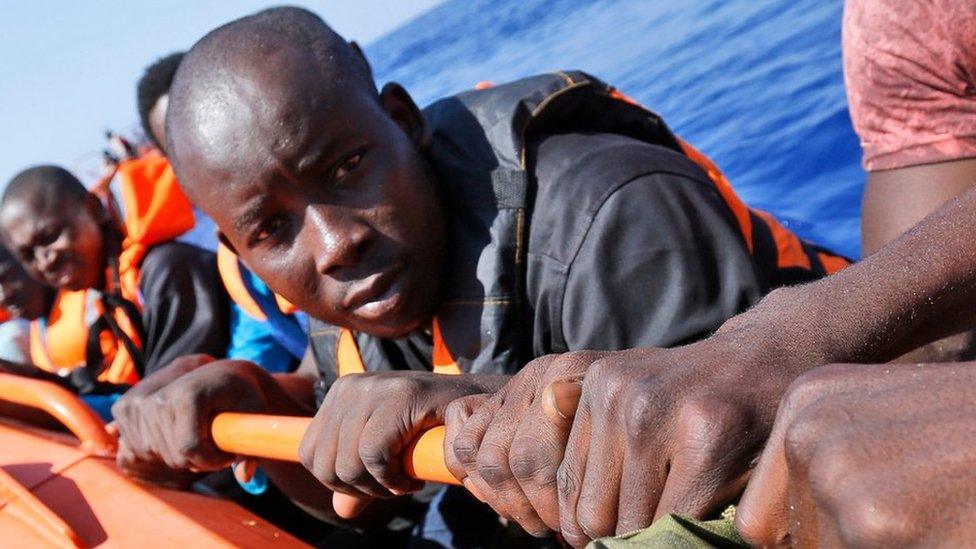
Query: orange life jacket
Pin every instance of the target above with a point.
(156, 211)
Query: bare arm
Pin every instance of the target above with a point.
(896, 200)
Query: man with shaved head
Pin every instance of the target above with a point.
(494, 227)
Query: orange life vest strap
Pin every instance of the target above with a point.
(789, 248)
(724, 188)
(350, 361)
(444, 363)
(832, 263)
(230, 274)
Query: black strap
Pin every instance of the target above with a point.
(112, 300)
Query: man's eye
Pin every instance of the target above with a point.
(347, 166)
(50, 235)
(268, 230)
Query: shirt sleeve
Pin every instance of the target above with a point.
(910, 74)
(662, 264)
(186, 308)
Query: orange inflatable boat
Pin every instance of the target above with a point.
(63, 489)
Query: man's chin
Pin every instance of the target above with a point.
(393, 328)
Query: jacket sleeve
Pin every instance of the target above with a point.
(186, 308)
(662, 264)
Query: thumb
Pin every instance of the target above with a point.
(561, 398)
(349, 507)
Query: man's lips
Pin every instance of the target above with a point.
(377, 295)
(62, 274)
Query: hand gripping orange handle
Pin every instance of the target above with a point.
(278, 437)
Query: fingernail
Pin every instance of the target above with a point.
(469, 486)
(562, 398)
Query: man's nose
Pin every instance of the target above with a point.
(45, 258)
(337, 240)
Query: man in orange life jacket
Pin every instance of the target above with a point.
(263, 329)
(544, 216)
(130, 300)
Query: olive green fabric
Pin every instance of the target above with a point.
(676, 532)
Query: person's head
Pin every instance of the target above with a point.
(55, 228)
(318, 182)
(21, 295)
(152, 97)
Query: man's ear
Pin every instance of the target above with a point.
(226, 241)
(405, 113)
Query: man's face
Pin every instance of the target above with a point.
(60, 243)
(21, 295)
(325, 196)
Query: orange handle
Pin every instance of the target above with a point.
(64, 406)
(278, 437)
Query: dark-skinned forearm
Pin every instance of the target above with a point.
(919, 288)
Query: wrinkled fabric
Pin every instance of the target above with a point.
(910, 73)
(676, 532)
(186, 309)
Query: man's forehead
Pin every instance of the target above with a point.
(254, 125)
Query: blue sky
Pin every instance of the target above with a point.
(68, 68)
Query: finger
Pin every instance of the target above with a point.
(596, 510)
(763, 512)
(569, 477)
(456, 416)
(354, 478)
(380, 447)
(191, 437)
(347, 506)
(561, 399)
(334, 443)
(711, 464)
(244, 470)
(467, 445)
(537, 450)
(112, 429)
(494, 465)
(641, 483)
